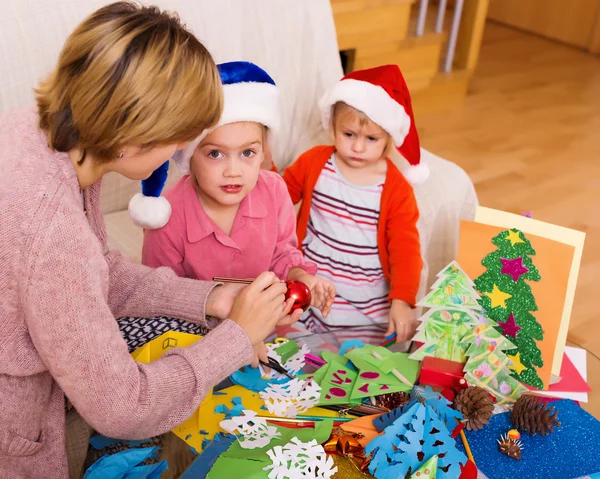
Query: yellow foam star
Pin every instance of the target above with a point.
(518, 366)
(514, 237)
(498, 298)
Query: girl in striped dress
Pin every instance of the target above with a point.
(358, 218)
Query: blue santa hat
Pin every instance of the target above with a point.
(250, 94)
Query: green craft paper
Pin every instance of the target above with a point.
(330, 357)
(321, 433)
(318, 375)
(249, 463)
(367, 363)
(442, 331)
(326, 384)
(287, 350)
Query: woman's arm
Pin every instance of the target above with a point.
(77, 337)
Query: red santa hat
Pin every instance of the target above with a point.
(381, 94)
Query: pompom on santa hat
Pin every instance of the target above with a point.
(381, 94)
(250, 94)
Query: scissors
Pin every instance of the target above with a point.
(274, 364)
(277, 342)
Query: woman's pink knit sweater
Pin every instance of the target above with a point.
(60, 291)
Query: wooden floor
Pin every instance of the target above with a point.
(529, 137)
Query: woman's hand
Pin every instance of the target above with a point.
(260, 306)
(401, 321)
(321, 290)
(260, 354)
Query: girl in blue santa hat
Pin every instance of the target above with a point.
(226, 216)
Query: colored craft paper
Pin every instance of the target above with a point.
(154, 349)
(365, 426)
(249, 463)
(203, 463)
(337, 384)
(127, 464)
(561, 256)
(427, 470)
(410, 441)
(205, 419)
(297, 460)
(507, 299)
(573, 450)
(287, 349)
(553, 260)
(573, 384)
(453, 288)
(375, 376)
(441, 331)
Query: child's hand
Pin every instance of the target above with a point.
(260, 354)
(401, 321)
(321, 290)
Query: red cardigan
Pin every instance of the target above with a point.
(397, 235)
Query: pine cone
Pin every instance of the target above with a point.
(392, 401)
(510, 447)
(476, 406)
(533, 416)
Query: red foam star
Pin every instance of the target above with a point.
(513, 267)
(510, 327)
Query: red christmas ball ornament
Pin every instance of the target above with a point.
(301, 294)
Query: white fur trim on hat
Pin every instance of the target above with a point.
(416, 174)
(149, 212)
(373, 101)
(246, 101)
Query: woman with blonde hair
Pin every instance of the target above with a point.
(131, 87)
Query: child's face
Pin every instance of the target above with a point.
(357, 145)
(227, 162)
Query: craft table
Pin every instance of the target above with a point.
(332, 341)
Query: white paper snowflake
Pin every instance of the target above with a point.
(293, 365)
(252, 431)
(299, 459)
(291, 398)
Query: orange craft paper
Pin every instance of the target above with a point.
(553, 261)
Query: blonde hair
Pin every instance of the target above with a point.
(342, 111)
(129, 75)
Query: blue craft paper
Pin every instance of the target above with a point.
(150, 471)
(251, 379)
(573, 450)
(99, 441)
(236, 410)
(410, 441)
(439, 404)
(350, 344)
(201, 466)
(117, 466)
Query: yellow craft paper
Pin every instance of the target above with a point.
(204, 418)
(154, 349)
(556, 233)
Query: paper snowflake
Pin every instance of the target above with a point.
(294, 365)
(299, 459)
(252, 431)
(291, 398)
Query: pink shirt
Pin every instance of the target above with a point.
(263, 237)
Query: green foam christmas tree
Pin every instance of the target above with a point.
(507, 299)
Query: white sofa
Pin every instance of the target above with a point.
(293, 40)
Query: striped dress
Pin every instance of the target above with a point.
(341, 239)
